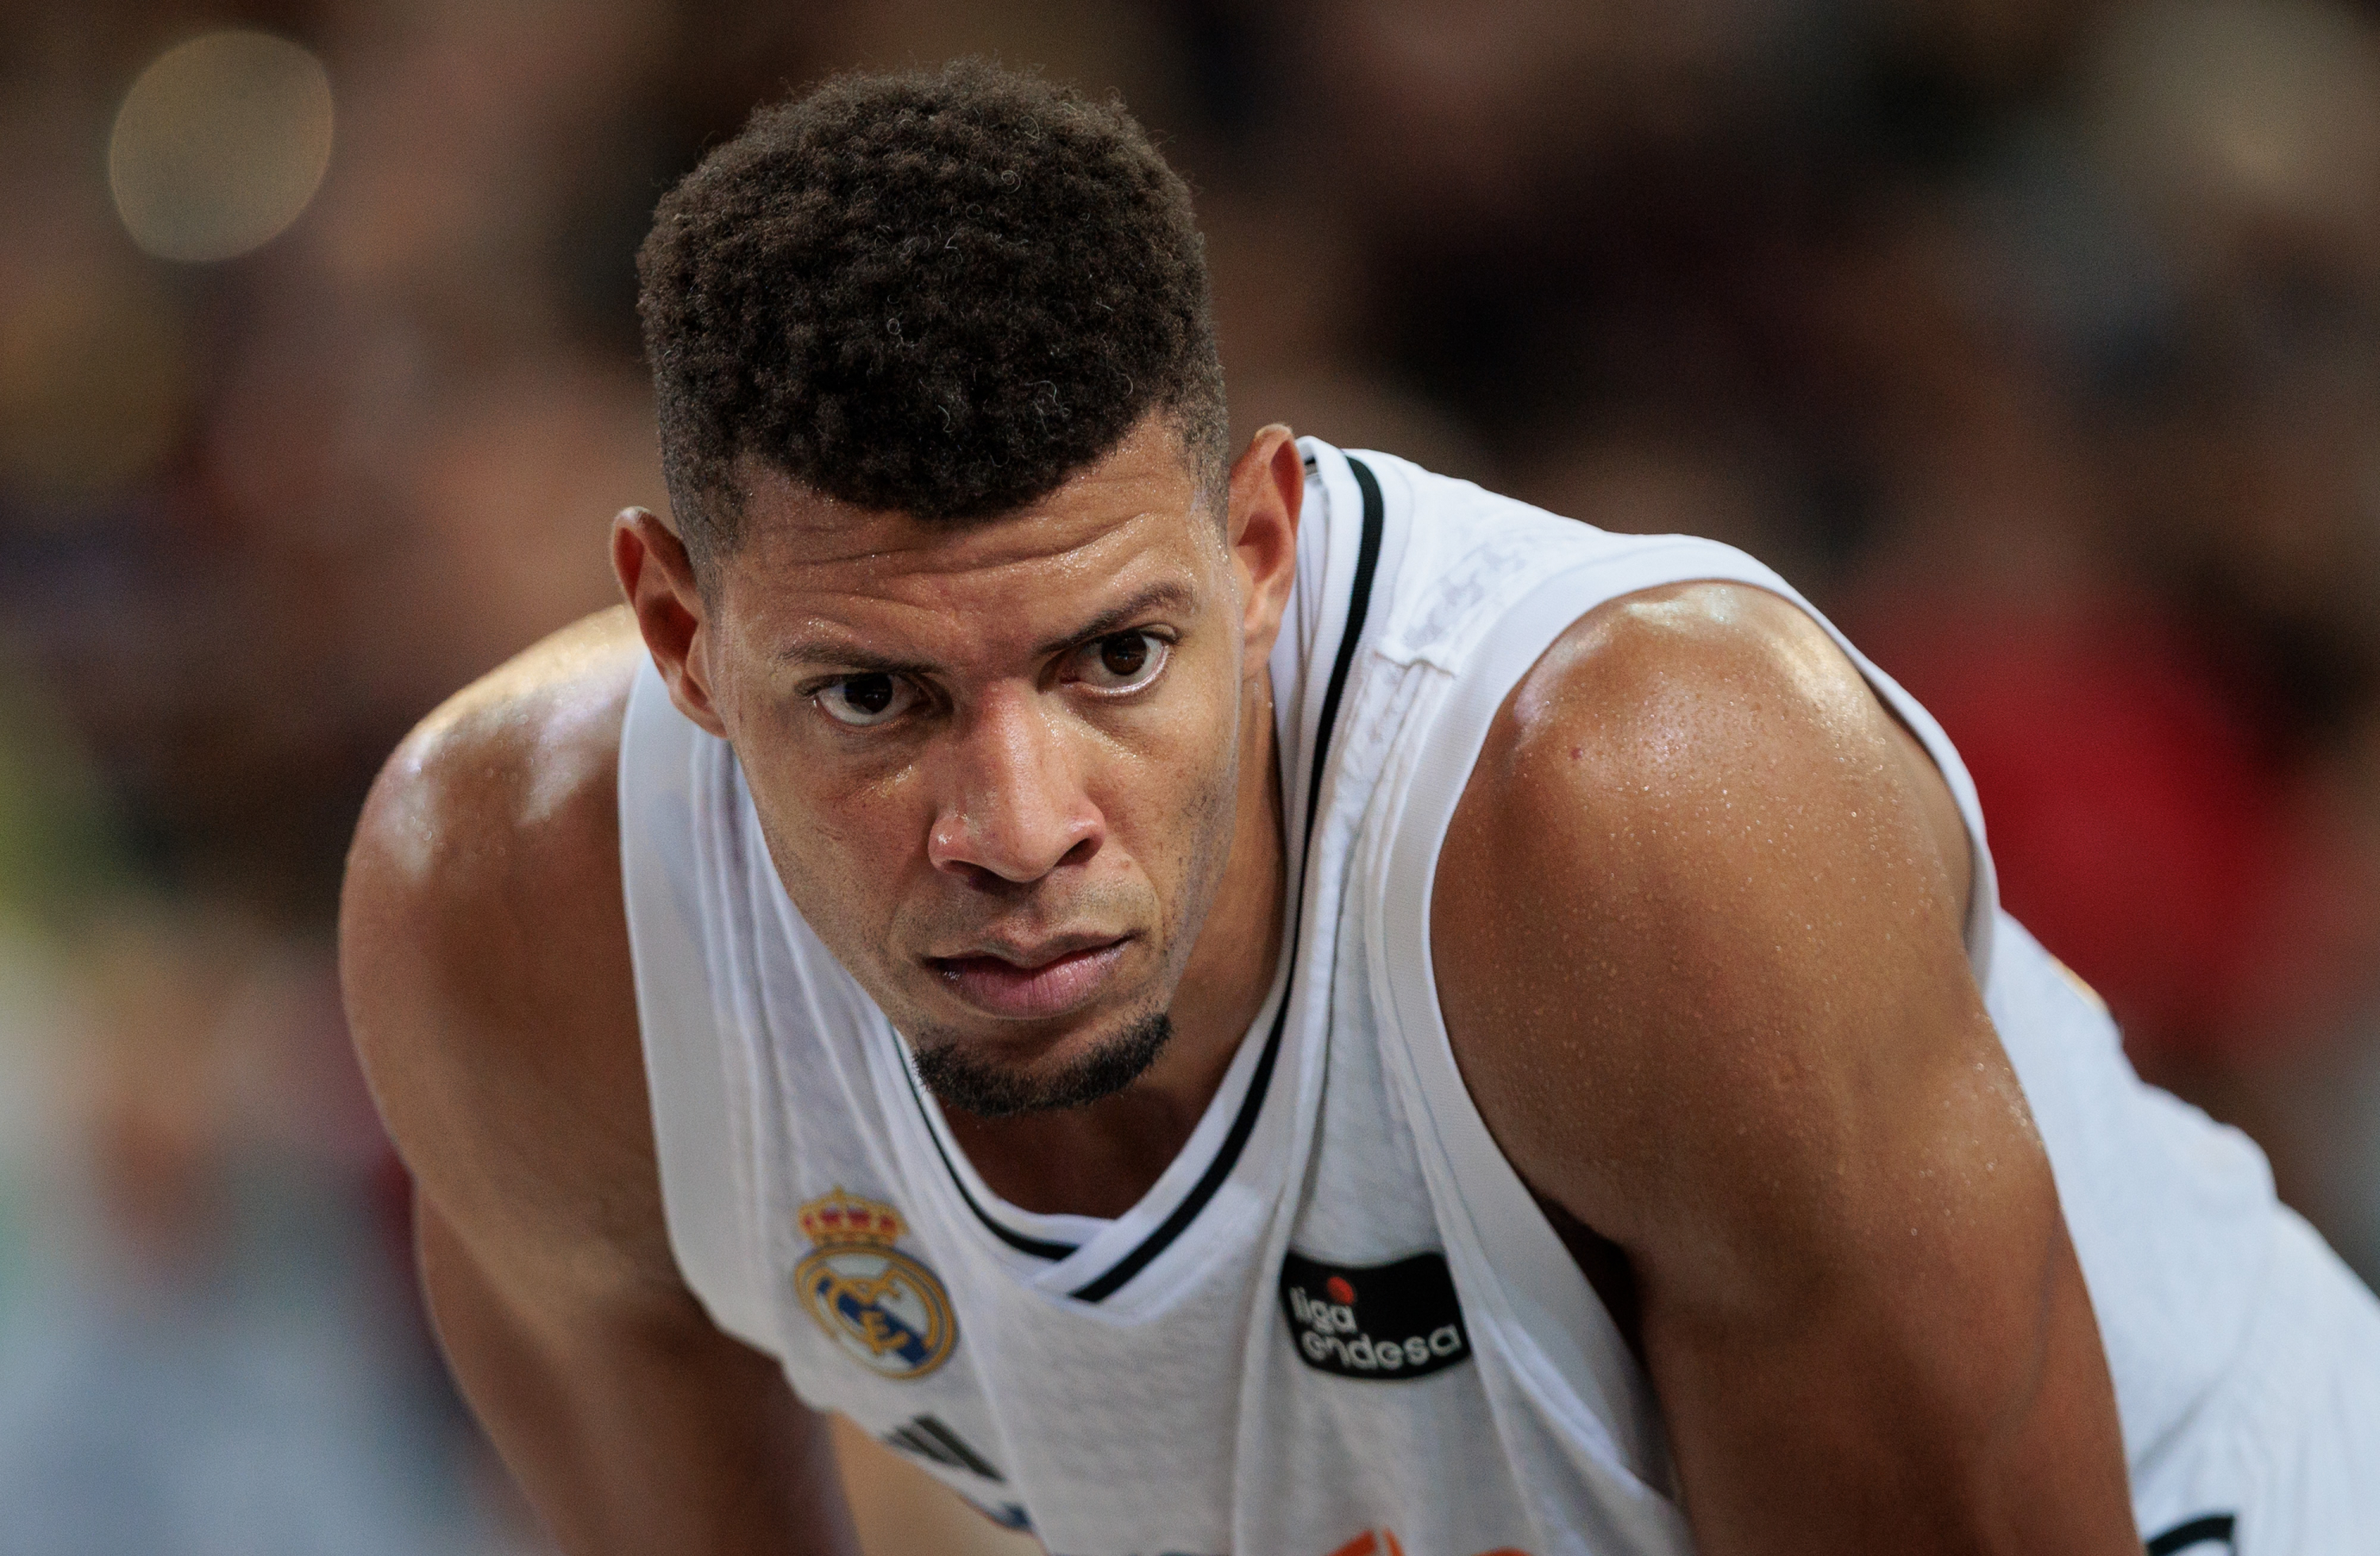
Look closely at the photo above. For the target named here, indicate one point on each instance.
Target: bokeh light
(220, 144)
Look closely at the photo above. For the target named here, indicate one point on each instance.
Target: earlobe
(657, 576)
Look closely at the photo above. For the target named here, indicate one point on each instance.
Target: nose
(1017, 809)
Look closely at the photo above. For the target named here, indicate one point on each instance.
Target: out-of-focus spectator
(207, 1350)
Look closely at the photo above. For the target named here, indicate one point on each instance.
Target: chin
(1073, 1073)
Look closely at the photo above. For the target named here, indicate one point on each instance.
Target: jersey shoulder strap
(670, 773)
(1517, 578)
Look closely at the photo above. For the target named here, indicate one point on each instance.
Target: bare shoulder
(1693, 824)
(484, 952)
(510, 780)
(1683, 718)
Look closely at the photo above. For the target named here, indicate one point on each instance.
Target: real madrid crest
(883, 1308)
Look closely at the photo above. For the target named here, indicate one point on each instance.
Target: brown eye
(861, 700)
(1123, 657)
(1125, 662)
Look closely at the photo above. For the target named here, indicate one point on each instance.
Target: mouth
(1028, 984)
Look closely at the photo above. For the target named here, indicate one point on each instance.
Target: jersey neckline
(1090, 1259)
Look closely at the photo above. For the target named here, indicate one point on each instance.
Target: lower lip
(1029, 993)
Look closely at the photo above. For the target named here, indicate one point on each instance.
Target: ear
(658, 578)
(1268, 491)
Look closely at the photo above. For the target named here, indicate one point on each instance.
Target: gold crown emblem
(845, 1218)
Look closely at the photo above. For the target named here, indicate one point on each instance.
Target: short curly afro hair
(939, 292)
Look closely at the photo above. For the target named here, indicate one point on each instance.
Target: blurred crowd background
(2037, 340)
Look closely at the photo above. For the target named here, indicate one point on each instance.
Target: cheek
(837, 841)
(1170, 801)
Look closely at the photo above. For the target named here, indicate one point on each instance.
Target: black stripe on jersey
(929, 1439)
(2215, 1528)
(1039, 1247)
(1359, 604)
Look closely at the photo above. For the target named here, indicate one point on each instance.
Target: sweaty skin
(484, 950)
(1696, 938)
(1015, 803)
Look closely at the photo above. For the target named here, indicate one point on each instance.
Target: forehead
(811, 573)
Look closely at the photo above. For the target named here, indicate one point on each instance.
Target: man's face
(996, 765)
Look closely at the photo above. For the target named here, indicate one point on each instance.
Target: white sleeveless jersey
(1339, 1325)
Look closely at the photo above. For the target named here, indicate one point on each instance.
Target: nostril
(982, 878)
(991, 878)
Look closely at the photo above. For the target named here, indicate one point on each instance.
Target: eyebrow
(841, 655)
(1177, 596)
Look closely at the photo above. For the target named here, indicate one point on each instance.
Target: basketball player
(1259, 1001)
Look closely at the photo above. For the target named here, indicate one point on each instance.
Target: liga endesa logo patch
(1379, 1321)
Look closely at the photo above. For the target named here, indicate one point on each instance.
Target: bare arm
(484, 952)
(1697, 938)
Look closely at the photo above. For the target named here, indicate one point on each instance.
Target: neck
(1099, 1160)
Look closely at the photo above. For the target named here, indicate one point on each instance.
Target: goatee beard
(960, 1080)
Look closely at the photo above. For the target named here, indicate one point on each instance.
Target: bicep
(484, 961)
(1733, 1031)
(485, 971)
(633, 1423)
(1714, 904)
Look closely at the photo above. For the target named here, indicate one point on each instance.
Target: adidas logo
(930, 1438)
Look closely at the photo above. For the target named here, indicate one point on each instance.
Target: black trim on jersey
(2214, 1529)
(1039, 1247)
(1359, 604)
(928, 1438)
